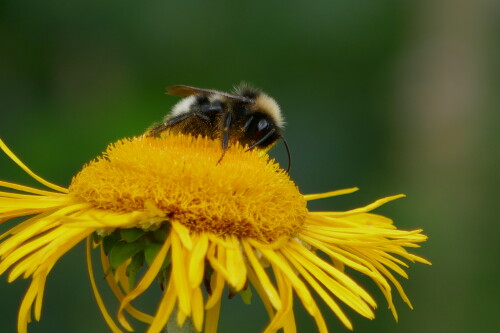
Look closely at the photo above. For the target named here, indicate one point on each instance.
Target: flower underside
(200, 227)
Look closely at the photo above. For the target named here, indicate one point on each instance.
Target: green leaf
(246, 295)
(161, 234)
(131, 235)
(134, 267)
(163, 277)
(151, 251)
(109, 242)
(166, 262)
(121, 251)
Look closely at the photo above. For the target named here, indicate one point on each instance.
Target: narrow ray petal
(364, 209)
(165, 309)
(281, 319)
(16, 160)
(145, 318)
(197, 309)
(216, 281)
(145, 282)
(262, 277)
(310, 197)
(235, 265)
(299, 287)
(254, 280)
(179, 274)
(112, 325)
(212, 317)
(197, 260)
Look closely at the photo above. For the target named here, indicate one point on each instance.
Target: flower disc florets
(245, 195)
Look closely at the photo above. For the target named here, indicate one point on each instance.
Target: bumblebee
(247, 116)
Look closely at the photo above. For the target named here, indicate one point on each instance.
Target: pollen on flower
(245, 195)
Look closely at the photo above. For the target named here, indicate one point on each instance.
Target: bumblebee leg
(268, 134)
(156, 129)
(247, 124)
(202, 116)
(161, 127)
(207, 112)
(225, 135)
(204, 112)
(177, 119)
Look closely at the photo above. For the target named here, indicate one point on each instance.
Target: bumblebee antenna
(288, 153)
(264, 139)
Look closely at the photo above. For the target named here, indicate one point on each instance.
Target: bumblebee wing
(185, 91)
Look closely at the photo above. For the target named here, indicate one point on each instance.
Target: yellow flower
(199, 226)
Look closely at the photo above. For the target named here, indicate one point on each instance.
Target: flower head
(199, 226)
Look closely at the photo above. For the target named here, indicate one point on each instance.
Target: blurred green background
(391, 96)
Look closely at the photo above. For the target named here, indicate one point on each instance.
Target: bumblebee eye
(262, 125)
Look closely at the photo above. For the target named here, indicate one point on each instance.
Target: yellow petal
(254, 280)
(197, 260)
(364, 209)
(299, 287)
(235, 265)
(216, 280)
(28, 171)
(165, 309)
(145, 282)
(179, 274)
(310, 197)
(282, 317)
(197, 309)
(262, 277)
(145, 318)
(212, 320)
(97, 295)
